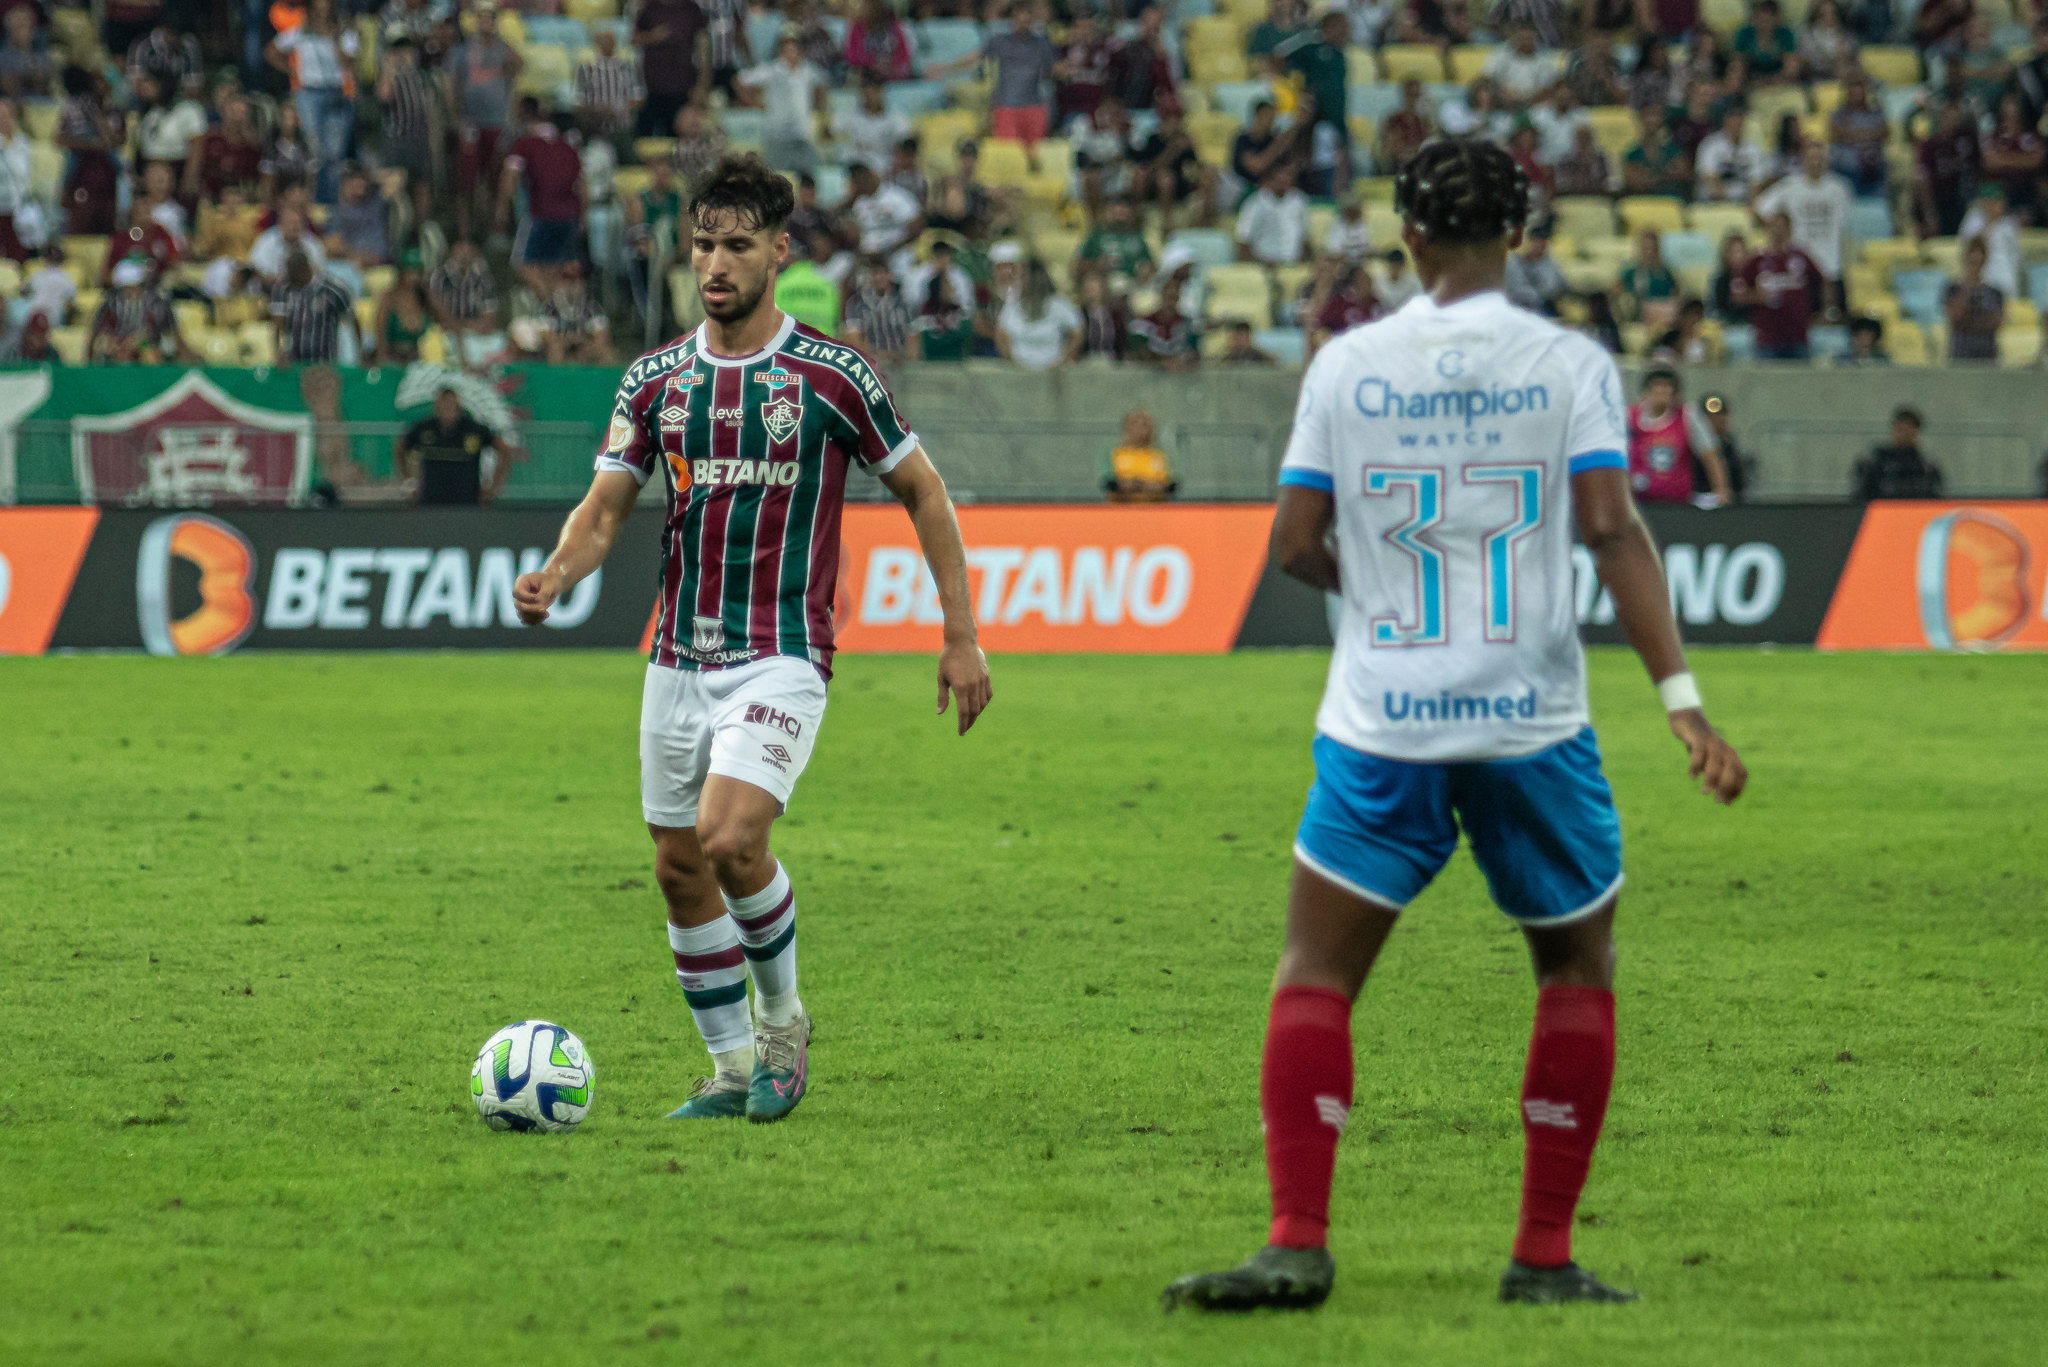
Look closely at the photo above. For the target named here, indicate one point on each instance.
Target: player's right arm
(1626, 559)
(585, 541)
(1301, 543)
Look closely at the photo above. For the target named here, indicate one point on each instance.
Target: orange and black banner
(1188, 579)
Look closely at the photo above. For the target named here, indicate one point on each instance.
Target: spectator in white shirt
(958, 287)
(1349, 239)
(1990, 219)
(1557, 120)
(1727, 167)
(1038, 330)
(1273, 224)
(1395, 280)
(889, 219)
(1521, 70)
(792, 90)
(274, 246)
(1817, 201)
(17, 172)
(870, 131)
(168, 125)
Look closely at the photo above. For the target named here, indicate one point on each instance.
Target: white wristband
(1679, 692)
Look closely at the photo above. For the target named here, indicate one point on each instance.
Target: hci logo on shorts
(764, 715)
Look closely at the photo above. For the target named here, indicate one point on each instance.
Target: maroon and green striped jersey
(757, 450)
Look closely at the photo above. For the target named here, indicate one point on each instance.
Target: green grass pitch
(257, 914)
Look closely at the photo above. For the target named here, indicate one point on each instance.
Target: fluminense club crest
(781, 418)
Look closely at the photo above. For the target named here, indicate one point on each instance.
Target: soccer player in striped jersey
(1439, 461)
(754, 421)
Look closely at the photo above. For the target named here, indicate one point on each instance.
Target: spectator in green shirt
(1764, 46)
(1647, 283)
(1320, 60)
(1656, 164)
(1285, 21)
(807, 292)
(1117, 243)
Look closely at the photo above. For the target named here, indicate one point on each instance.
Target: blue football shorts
(1542, 827)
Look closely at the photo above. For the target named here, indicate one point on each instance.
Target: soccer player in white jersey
(754, 422)
(1452, 447)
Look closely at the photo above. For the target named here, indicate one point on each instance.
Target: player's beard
(741, 304)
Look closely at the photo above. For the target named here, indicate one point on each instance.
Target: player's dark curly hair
(1460, 192)
(748, 187)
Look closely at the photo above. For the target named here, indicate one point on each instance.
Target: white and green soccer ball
(534, 1075)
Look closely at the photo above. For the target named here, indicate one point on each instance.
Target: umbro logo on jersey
(1557, 1114)
(673, 417)
(777, 756)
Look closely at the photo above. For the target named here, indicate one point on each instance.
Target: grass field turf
(258, 913)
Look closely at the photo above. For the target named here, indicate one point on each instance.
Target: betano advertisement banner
(1174, 578)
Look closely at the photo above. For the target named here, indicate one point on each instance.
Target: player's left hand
(1709, 756)
(532, 595)
(964, 670)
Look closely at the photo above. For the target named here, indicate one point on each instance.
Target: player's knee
(679, 877)
(732, 846)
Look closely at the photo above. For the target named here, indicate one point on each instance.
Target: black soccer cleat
(1276, 1277)
(1557, 1285)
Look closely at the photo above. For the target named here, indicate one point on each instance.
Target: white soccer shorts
(754, 722)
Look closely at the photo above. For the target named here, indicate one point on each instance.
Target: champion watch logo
(1557, 1114)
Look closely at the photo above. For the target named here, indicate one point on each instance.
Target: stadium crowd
(1181, 184)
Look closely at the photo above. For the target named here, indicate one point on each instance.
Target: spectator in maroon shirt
(553, 172)
(231, 154)
(878, 44)
(2014, 156)
(674, 38)
(1777, 286)
(1344, 298)
(1945, 171)
(1141, 68)
(1082, 72)
(1673, 19)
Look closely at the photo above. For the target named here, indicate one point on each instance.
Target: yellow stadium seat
(1768, 107)
(1320, 220)
(434, 346)
(1905, 342)
(1697, 280)
(1614, 128)
(1863, 280)
(75, 30)
(629, 181)
(1212, 135)
(1827, 96)
(1245, 13)
(1468, 61)
(1583, 217)
(1359, 67)
(1399, 61)
(259, 344)
(647, 150)
(547, 66)
(1383, 224)
(216, 346)
(591, 11)
(2020, 312)
(1586, 275)
(1211, 33)
(10, 277)
(191, 314)
(69, 344)
(939, 135)
(1374, 190)
(1724, 16)
(1891, 65)
(89, 254)
(1719, 220)
(1890, 254)
(87, 301)
(2019, 346)
(1662, 212)
(1211, 68)
(39, 120)
(1944, 253)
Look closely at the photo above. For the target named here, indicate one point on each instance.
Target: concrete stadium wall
(1000, 434)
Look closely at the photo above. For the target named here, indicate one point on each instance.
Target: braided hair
(1460, 192)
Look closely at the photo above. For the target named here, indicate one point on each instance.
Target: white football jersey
(1448, 438)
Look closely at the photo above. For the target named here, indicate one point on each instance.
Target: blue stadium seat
(1236, 98)
(2037, 286)
(1869, 219)
(1688, 249)
(1144, 123)
(1828, 339)
(835, 26)
(743, 125)
(1740, 341)
(945, 40)
(843, 100)
(621, 29)
(831, 185)
(1193, 9)
(1920, 294)
(762, 30)
(1374, 101)
(1211, 246)
(914, 97)
(1288, 346)
(555, 28)
(1898, 101)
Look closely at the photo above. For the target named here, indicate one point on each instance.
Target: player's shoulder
(652, 365)
(807, 347)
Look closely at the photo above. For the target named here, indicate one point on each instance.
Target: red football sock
(1564, 1102)
(1304, 1098)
